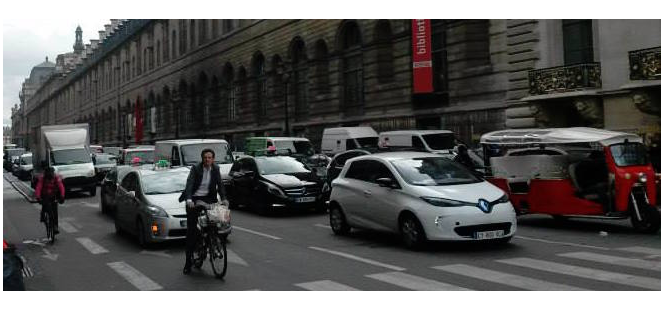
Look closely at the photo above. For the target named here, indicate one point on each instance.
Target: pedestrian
(49, 191)
(204, 183)
(463, 157)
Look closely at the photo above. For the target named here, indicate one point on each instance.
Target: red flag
(139, 121)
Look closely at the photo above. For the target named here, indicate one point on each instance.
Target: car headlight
(442, 202)
(274, 190)
(91, 173)
(642, 177)
(157, 211)
(503, 199)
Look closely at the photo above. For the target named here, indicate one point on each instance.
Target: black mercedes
(273, 183)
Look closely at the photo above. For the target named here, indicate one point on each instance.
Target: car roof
(26, 154)
(412, 132)
(557, 136)
(138, 149)
(191, 141)
(144, 172)
(396, 155)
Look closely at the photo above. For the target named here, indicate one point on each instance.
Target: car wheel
(104, 207)
(338, 221)
(141, 237)
(118, 229)
(649, 217)
(412, 232)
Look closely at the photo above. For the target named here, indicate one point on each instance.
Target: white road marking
(323, 226)
(156, 253)
(325, 285)
(563, 243)
(505, 278)
(414, 282)
(360, 259)
(641, 250)
(49, 255)
(91, 246)
(614, 260)
(594, 274)
(67, 227)
(135, 277)
(256, 233)
(89, 204)
(232, 257)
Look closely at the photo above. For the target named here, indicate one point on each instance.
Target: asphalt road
(292, 252)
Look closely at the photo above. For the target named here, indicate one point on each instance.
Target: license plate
(183, 223)
(489, 234)
(306, 199)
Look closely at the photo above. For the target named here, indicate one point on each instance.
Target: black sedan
(272, 183)
(12, 268)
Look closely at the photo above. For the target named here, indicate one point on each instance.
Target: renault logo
(484, 205)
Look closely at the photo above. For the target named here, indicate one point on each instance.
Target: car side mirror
(386, 182)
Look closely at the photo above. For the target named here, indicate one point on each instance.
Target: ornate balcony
(564, 79)
(645, 64)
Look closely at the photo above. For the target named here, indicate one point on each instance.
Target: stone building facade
(237, 78)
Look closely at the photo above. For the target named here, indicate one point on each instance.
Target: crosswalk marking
(325, 285)
(135, 277)
(505, 278)
(594, 274)
(67, 227)
(614, 260)
(357, 258)
(641, 250)
(414, 282)
(256, 233)
(91, 246)
(563, 243)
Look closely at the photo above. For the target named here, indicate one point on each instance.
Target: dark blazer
(194, 181)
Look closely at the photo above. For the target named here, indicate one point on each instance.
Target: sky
(27, 43)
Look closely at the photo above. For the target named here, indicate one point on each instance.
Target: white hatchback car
(421, 196)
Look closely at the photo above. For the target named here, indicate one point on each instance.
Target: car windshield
(279, 164)
(629, 154)
(296, 147)
(432, 171)
(70, 157)
(368, 142)
(192, 153)
(440, 141)
(105, 159)
(144, 157)
(166, 182)
(27, 160)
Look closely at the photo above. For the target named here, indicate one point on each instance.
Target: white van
(432, 141)
(187, 152)
(340, 139)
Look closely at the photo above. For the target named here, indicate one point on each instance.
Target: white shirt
(205, 182)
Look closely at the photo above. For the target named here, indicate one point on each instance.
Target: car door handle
(367, 193)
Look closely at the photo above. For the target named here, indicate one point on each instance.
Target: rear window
(440, 141)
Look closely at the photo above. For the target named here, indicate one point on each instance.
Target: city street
(292, 252)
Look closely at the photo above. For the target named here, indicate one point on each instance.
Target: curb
(17, 186)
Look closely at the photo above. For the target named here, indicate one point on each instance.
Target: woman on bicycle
(203, 183)
(49, 192)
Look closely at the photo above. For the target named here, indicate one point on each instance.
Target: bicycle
(49, 223)
(209, 241)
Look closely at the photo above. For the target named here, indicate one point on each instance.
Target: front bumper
(291, 203)
(174, 228)
(79, 183)
(462, 223)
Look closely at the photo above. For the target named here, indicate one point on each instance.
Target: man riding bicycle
(49, 192)
(203, 184)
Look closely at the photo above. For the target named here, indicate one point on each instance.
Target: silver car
(147, 205)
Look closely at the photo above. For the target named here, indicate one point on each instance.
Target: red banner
(422, 56)
(138, 116)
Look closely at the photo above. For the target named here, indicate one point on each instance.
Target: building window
(232, 113)
(384, 52)
(261, 86)
(577, 41)
(215, 28)
(159, 53)
(165, 38)
(299, 57)
(173, 43)
(352, 70)
(183, 37)
(321, 67)
(439, 56)
(203, 31)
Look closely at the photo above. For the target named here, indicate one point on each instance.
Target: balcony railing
(564, 78)
(645, 64)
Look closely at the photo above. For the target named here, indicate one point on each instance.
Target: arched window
(239, 93)
(300, 83)
(351, 69)
(439, 56)
(384, 52)
(228, 95)
(168, 109)
(165, 38)
(202, 110)
(260, 86)
(182, 43)
(321, 67)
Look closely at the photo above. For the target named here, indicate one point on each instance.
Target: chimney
(94, 44)
(108, 29)
(102, 34)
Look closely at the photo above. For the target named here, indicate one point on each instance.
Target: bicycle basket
(219, 214)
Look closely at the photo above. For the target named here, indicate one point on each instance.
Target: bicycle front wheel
(217, 255)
